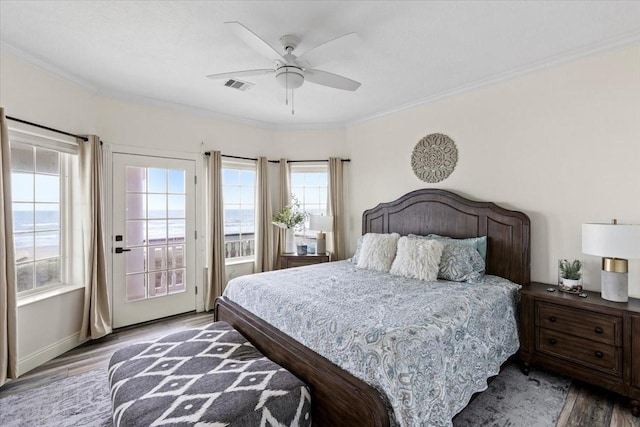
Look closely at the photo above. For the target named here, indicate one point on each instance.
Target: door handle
(120, 250)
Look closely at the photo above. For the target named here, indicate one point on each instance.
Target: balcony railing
(239, 246)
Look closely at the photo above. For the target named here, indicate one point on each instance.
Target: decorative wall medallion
(434, 157)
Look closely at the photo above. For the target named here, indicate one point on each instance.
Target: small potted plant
(290, 218)
(570, 273)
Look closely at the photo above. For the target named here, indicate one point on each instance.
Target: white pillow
(354, 258)
(378, 251)
(417, 259)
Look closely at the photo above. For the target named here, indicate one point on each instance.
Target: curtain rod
(208, 153)
(314, 161)
(84, 138)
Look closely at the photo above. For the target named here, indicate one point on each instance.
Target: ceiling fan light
(290, 77)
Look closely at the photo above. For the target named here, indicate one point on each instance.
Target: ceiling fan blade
(254, 41)
(324, 78)
(333, 49)
(243, 73)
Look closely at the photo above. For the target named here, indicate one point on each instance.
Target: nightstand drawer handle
(599, 354)
(552, 319)
(553, 341)
(598, 330)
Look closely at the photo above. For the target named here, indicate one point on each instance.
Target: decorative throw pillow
(460, 264)
(417, 258)
(354, 258)
(479, 243)
(378, 251)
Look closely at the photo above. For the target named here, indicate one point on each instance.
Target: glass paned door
(153, 245)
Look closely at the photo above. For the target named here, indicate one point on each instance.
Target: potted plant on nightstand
(290, 218)
(570, 275)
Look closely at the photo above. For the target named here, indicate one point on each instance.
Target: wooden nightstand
(295, 260)
(594, 340)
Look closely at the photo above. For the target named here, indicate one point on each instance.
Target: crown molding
(201, 112)
(560, 59)
(123, 96)
(42, 64)
(566, 57)
(550, 62)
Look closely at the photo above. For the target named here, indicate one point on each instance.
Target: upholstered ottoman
(207, 376)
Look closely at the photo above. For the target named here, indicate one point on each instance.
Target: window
(238, 187)
(309, 186)
(39, 193)
(156, 224)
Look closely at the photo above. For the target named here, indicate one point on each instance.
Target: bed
(342, 398)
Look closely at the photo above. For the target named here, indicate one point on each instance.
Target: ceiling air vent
(239, 84)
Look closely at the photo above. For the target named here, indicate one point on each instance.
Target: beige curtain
(215, 263)
(264, 228)
(285, 196)
(8, 319)
(96, 320)
(336, 208)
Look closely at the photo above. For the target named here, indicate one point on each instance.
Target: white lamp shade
(320, 222)
(611, 240)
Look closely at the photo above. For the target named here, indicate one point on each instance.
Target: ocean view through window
(238, 186)
(38, 216)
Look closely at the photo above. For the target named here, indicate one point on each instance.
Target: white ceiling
(411, 52)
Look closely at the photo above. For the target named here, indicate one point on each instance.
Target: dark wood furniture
(594, 340)
(445, 213)
(295, 260)
(338, 398)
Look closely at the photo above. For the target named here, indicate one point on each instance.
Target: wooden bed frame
(338, 398)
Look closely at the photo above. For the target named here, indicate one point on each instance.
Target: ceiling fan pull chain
(293, 100)
(286, 86)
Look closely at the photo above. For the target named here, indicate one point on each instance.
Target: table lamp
(615, 243)
(321, 224)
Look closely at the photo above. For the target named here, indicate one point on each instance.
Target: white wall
(127, 123)
(563, 145)
(48, 328)
(30, 93)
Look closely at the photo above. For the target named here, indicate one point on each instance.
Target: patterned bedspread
(425, 346)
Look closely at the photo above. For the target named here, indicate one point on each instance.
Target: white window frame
(241, 165)
(70, 267)
(298, 168)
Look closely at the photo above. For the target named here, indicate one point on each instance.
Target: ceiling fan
(292, 71)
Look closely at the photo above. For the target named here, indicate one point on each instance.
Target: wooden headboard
(442, 212)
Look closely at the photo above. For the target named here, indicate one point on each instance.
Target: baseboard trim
(37, 358)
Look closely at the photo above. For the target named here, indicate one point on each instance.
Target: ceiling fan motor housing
(289, 42)
(290, 76)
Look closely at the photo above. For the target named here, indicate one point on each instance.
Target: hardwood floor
(591, 406)
(586, 406)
